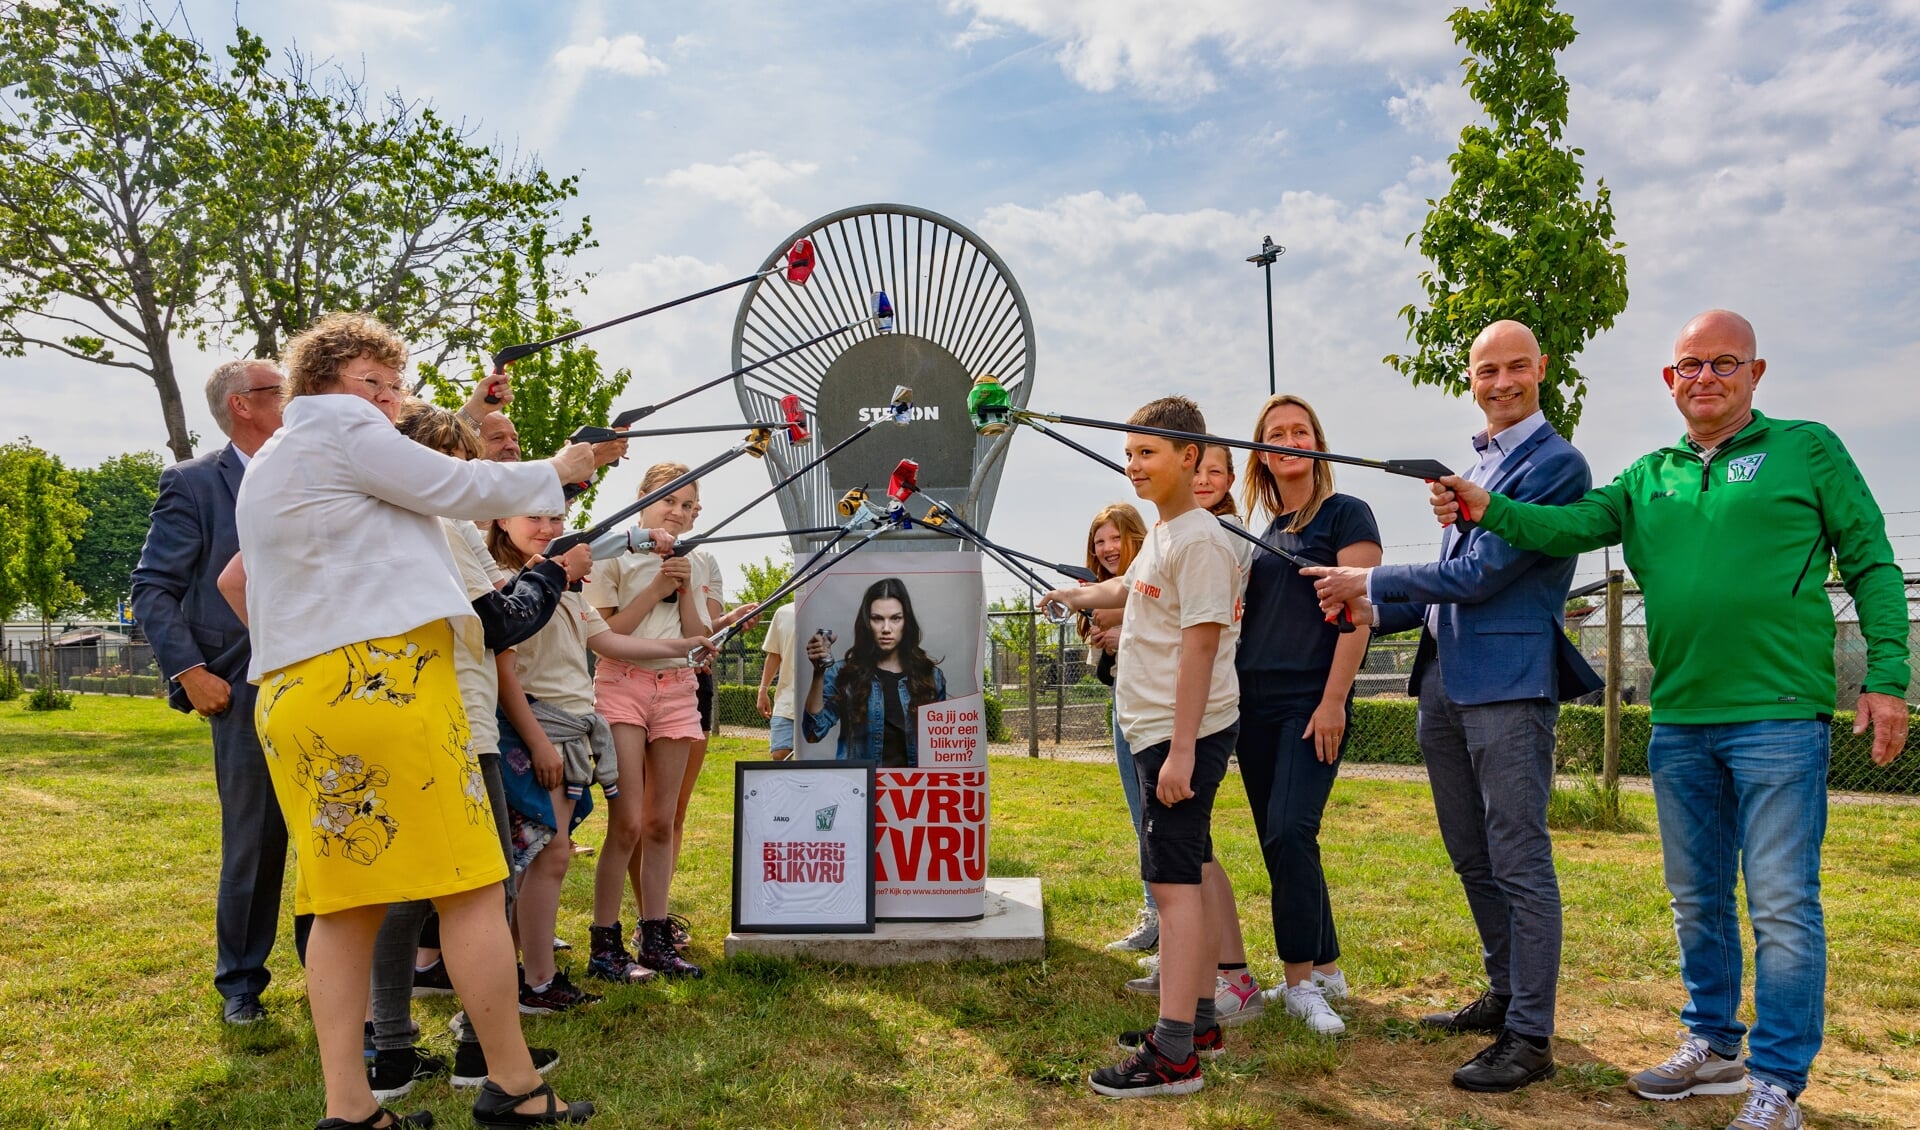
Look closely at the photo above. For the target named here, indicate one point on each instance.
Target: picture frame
(803, 841)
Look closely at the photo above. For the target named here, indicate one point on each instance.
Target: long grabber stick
(798, 267)
(812, 567)
(905, 483)
(636, 540)
(755, 444)
(1344, 621)
(1424, 469)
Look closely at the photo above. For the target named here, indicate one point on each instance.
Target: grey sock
(1203, 1015)
(1173, 1039)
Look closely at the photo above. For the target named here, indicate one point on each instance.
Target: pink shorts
(663, 703)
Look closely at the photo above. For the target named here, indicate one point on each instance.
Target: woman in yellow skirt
(348, 590)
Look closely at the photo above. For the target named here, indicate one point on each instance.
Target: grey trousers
(1491, 767)
(393, 949)
(253, 851)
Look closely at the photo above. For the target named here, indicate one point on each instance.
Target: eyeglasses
(1725, 365)
(397, 388)
(259, 388)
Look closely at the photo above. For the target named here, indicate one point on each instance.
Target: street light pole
(1264, 259)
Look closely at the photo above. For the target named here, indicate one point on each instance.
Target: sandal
(494, 1109)
(422, 1118)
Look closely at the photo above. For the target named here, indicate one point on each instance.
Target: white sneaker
(1145, 934)
(1148, 986)
(1335, 987)
(1234, 1005)
(1308, 1002)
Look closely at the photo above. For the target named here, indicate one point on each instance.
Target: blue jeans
(1748, 797)
(1130, 784)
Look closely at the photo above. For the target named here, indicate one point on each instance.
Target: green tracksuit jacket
(1731, 555)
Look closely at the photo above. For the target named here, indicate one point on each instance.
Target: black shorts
(1176, 841)
(703, 694)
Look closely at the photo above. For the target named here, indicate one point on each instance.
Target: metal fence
(91, 666)
(1065, 712)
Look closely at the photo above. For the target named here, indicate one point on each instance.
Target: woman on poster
(875, 693)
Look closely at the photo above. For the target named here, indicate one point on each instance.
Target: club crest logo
(823, 818)
(1743, 469)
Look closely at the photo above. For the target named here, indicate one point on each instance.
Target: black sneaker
(1147, 1073)
(1508, 1064)
(1488, 1013)
(393, 1073)
(432, 981)
(1209, 1044)
(560, 995)
(243, 1009)
(470, 1063)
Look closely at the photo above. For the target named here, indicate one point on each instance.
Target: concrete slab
(1013, 929)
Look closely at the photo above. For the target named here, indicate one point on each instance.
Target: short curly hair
(315, 356)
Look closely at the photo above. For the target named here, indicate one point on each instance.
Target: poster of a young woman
(893, 646)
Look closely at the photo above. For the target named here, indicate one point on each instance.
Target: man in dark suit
(202, 647)
(1493, 666)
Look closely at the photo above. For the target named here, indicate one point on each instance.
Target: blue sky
(1124, 156)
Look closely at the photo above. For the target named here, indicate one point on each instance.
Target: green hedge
(1384, 733)
(735, 705)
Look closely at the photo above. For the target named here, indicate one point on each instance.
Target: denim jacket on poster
(816, 726)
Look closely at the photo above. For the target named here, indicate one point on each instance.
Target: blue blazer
(175, 594)
(1501, 611)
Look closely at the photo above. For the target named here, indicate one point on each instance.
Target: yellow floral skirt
(375, 772)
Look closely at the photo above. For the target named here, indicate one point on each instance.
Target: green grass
(108, 1019)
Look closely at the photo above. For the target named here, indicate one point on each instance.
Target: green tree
(149, 193)
(555, 390)
(50, 518)
(106, 140)
(118, 497)
(373, 203)
(1514, 237)
(14, 458)
(758, 581)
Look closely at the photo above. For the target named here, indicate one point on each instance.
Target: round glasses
(1724, 365)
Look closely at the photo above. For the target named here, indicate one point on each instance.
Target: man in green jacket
(1729, 533)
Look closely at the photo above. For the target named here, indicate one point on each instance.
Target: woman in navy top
(1296, 693)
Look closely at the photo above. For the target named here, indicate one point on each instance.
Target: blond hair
(447, 432)
(1262, 491)
(1225, 506)
(316, 355)
(1132, 530)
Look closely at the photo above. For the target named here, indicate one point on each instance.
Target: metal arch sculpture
(957, 313)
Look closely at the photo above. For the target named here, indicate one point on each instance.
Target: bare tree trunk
(179, 439)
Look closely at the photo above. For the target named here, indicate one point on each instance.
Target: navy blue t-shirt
(1283, 629)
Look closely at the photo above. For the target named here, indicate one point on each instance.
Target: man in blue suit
(1493, 666)
(203, 650)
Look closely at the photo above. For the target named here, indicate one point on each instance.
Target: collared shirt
(1492, 452)
(243, 457)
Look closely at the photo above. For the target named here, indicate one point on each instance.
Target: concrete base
(1013, 929)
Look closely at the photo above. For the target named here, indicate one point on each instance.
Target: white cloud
(1172, 51)
(976, 31)
(356, 26)
(625, 55)
(746, 179)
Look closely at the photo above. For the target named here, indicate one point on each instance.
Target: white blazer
(339, 524)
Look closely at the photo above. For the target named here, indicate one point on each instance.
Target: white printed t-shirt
(552, 666)
(617, 583)
(780, 643)
(807, 840)
(1184, 575)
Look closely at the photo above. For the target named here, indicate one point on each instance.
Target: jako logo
(883, 412)
(1743, 469)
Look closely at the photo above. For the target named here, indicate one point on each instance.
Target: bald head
(1505, 335)
(1721, 326)
(1504, 369)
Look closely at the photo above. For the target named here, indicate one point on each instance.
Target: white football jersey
(807, 839)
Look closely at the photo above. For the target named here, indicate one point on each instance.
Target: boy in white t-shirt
(1178, 702)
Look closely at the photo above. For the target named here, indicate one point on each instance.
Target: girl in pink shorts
(652, 708)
